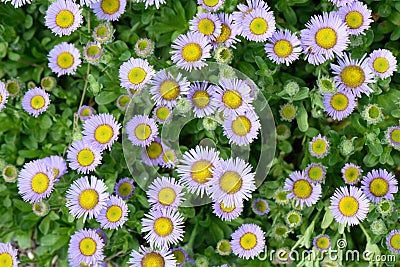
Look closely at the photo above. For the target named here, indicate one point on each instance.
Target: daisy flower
(227, 213)
(123, 101)
(293, 219)
(151, 154)
(373, 114)
(260, 206)
(393, 241)
(190, 50)
(339, 105)
(288, 112)
(242, 129)
(283, 47)
(146, 257)
(248, 241)
(302, 190)
(324, 37)
(258, 25)
(180, 256)
(144, 47)
(141, 130)
(153, 2)
(103, 33)
(202, 99)
(353, 76)
(165, 193)
(349, 205)
(208, 24)
(8, 255)
(63, 17)
(382, 63)
(162, 114)
(102, 130)
(64, 59)
(166, 89)
(85, 112)
(223, 54)
(315, 172)
(85, 248)
(233, 96)
(86, 198)
(109, 10)
(114, 214)
(232, 181)
(379, 184)
(135, 73)
(319, 146)
(35, 101)
(83, 157)
(392, 136)
(57, 164)
(322, 243)
(229, 31)
(211, 5)
(124, 188)
(93, 52)
(164, 227)
(351, 173)
(195, 169)
(35, 181)
(168, 158)
(341, 2)
(357, 17)
(3, 95)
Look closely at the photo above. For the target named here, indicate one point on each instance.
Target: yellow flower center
(143, 45)
(351, 174)
(224, 246)
(211, 3)
(283, 48)
(142, 131)
(192, 52)
(125, 189)
(110, 6)
(261, 206)
(354, 19)
(154, 150)
(163, 113)
(103, 134)
(352, 76)
(225, 34)
(319, 147)
(124, 100)
(114, 213)
(85, 112)
(232, 99)
(258, 26)
(326, 38)
(169, 90)
(6, 260)
(241, 125)
(395, 241)
(374, 112)
(179, 256)
(302, 189)
(395, 135)
(169, 156)
(288, 112)
(65, 19)
(85, 157)
(136, 75)
(348, 206)
(201, 171)
(315, 173)
(166, 196)
(322, 242)
(92, 50)
(339, 101)
(40, 183)
(101, 31)
(381, 64)
(379, 187)
(153, 259)
(201, 99)
(9, 171)
(248, 241)
(1, 98)
(87, 246)
(230, 182)
(56, 172)
(163, 226)
(206, 26)
(37, 102)
(294, 218)
(88, 199)
(65, 60)
(226, 208)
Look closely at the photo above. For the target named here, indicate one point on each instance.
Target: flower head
(83, 156)
(93, 52)
(114, 214)
(379, 184)
(165, 193)
(141, 130)
(85, 112)
(248, 241)
(211, 5)
(319, 146)
(36, 101)
(8, 255)
(315, 172)
(302, 190)
(124, 188)
(283, 47)
(382, 63)
(227, 213)
(357, 17)
(351, 173)
(85, 248)
(393, 241)
(3, 95)
(63, 17)
(64, 59)
(339, 105)
(146, 257)
(322, 242)
(242, 129)
(208, 24)
(135, 73)
(109, 10)
(392, 136)
(260, 206)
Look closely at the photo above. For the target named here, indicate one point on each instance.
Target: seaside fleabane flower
(393, 241)
(141, 130)
(379, 184)
(64, 59)
(85, 248)
(392, 137)
(324, 37)
(349, 205)
(229, 31)
(322, 242)
(109, 9)
(319, 146)
(8, 255)
(207, 24)
(357, 17)
(302, 190)
(165, 193)
(201, 96)
(93, 52)
(63, 17)
(248, 241)
(83, 157)
(124, 188)
(283, 47)
(339, 105)
(162, 114)
(351, 173)
(353, 75)
(114, 214)
(135, 73)
(146, 257)
(86, 198)
(227, 213)
(382, 63)
(85, 112)
(151, 154)
(190, 50)
(258, 25)
(57, 164)
(211, 5)
(315, 172)
(153, 3)
(35, 101)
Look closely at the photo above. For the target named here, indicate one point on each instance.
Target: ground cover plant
(199, 133)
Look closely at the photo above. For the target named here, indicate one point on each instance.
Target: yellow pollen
(248, 241)
(352, 76)
(88, 199)
(65, 19)
(125, 189)
(169, 90)
(241, 125)
(381, 64)
(163, 226)
(114, 213)
(201, 99)
(226, 208)
(6, 260)
(92, 50)
(379, 187)
(323, 242)
(206, 26)
(179, 256)
(339, 102)
(152, 259)
(65, 60)
(37, 102)
(288, 111)
(85, 157)
(154, 150)
(85, 112)
(225, 34)
(87, 246)
(166, 196)
(319, 147)
(283, 48)
(163, 113)
(211, 3)
(326, 38)
(395, 241)
(110, 6)
(232, 99)
(230, 182)
(136, 75)
(123, 101)
(302, 189)
(395, 135)
(169, 156)
(142, 131)
(192, 52)
(40, 183)
(315, 173)
(258, 26)
(103, 134)
(201, 171)
(351, 174)
(354, 19)
(348, 206)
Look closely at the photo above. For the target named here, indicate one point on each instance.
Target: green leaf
(302, 119)
(327, 220)
(106, 97)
